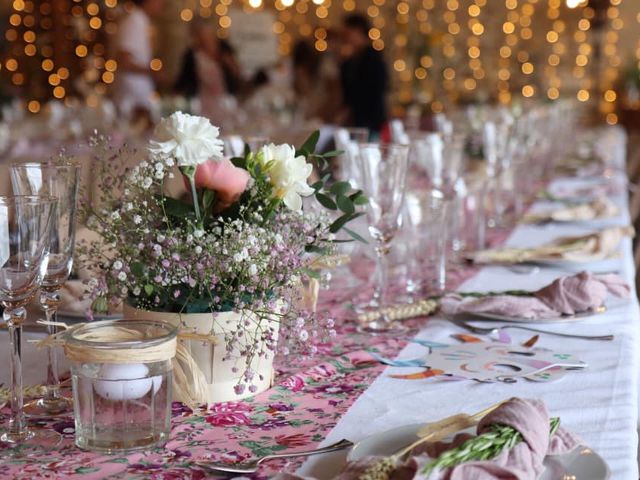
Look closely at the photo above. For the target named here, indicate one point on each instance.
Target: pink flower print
(295, 383)
(229, 413)
(319, 372)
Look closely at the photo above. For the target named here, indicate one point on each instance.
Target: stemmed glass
(25, 231)
(384, 174)
(61, 182)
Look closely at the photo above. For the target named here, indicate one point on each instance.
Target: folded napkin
(599, 208)
(585, 248)
(524, 461)
(564, 296)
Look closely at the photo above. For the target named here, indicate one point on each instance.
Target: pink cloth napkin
(565, 296)
(522, 462)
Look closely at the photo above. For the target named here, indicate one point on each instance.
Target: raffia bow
(189, 382)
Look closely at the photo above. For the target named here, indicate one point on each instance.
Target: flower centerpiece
(225, 258)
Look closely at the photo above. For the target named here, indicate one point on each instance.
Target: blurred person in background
(233, 79)
(133, 89)
(201, 75)
(364, 77)
(307, 86)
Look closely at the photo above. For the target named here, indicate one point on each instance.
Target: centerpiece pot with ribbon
(224, 257)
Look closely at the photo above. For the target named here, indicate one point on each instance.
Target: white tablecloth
(600, 404)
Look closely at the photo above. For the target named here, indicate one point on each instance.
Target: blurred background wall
(441, 52)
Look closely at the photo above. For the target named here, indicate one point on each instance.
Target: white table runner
(600, 404)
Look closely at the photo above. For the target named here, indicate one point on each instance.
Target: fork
(490, 330)
(251, 466)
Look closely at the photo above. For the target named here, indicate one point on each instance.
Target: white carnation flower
(188, 139)
(288, 174)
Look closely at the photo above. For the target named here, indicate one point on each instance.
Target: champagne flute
(61, 182)
(25, 232)
(384, 174)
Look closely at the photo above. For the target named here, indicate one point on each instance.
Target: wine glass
(384, 174)
(26, 223)
(61, 182)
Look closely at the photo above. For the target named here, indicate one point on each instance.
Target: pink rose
(224, 178)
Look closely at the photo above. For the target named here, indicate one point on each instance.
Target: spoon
(490, 330)
(251, 466)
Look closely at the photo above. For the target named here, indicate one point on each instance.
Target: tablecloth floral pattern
(307, 401)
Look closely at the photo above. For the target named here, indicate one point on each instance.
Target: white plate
(582, 463)
(594, 266)
(563, 319)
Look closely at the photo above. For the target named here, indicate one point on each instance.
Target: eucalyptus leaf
(345, 204)
(309, 146)
(340, 188)
(355, 235)
(343, 220)
(326, 201)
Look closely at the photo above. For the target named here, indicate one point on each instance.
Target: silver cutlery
(251, 466)
(490, 330)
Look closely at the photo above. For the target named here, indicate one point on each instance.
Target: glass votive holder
(122, 383)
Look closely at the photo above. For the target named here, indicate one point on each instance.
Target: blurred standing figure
(363, 76)
(134, 87)
(306, 85)
(233, 79)
(210, 76)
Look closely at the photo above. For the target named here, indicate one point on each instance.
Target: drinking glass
(61, 182)
(348, 140)
(384, 174)
(428, 154)
(25, 232)
(256, 143)
(425, 233)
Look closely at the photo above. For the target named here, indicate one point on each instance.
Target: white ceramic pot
(219, 374)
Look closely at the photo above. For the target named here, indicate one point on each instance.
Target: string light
(438, 50)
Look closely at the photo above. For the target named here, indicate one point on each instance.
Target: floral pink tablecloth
(309, 398)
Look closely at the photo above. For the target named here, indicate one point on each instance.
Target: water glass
(427, 220)
(122, 384)
(347, 141)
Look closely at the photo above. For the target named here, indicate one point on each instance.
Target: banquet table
(344, 392)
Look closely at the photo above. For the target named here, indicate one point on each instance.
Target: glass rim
(28, 199)
(25, 165)
(170, 332)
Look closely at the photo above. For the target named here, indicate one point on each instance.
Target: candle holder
(122, 383)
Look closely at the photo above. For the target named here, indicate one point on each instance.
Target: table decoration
(122, 383)
(567, 296)
(514, 439)
(600, 245)
(227, 259)
(597, 209)
(487, 362)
